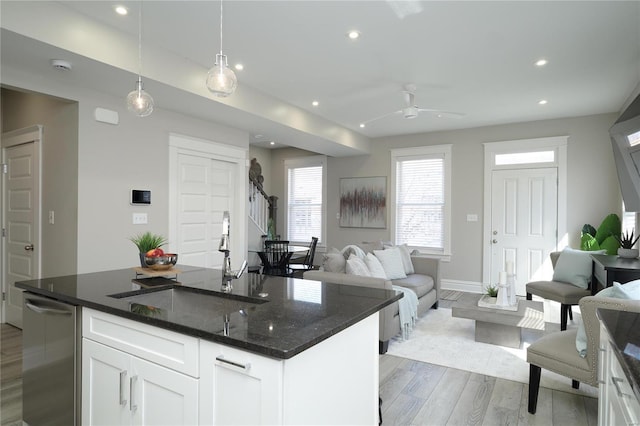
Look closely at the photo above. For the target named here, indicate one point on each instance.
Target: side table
(609, 268)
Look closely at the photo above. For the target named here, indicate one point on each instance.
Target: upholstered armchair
(557, 351)
(564, 293)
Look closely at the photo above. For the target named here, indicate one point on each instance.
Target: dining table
(271, 269)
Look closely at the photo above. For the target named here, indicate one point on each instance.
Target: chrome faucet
(227, 273)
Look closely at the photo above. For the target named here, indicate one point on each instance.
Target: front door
(524, 210)
(21, 213)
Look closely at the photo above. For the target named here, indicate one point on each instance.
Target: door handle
(28, 247)
(123, 376)
(132, 382)
(42, 310)
(494, 241)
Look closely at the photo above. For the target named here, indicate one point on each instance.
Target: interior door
(205, 190)
(524, 211)
(21, 213)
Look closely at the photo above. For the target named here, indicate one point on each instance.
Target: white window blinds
(420, 201)
(304, 209)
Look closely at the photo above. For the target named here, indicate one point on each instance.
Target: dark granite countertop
(273, 316)
(624, 334)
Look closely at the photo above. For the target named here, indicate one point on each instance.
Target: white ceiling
(476, 58)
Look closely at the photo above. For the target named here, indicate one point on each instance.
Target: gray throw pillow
(574, 267)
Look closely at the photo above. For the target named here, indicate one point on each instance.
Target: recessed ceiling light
(315, 103)
(272, 143)
(362, 125)
(542, 102)
(541, 62)
(121, 10)
(239, 67)
(353, 35)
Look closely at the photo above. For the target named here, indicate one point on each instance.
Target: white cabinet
(617, 403)
(239, 387)
(332, 382)
(119, 388)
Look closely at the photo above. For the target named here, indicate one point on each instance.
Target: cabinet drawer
(164, 347)
(623, 391)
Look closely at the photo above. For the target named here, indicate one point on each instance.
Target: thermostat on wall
(140, 197)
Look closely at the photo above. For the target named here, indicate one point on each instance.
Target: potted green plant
(146, 242)
(627, 242)
(492, 290)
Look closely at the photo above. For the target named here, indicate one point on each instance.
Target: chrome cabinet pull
(615, 381)
(221, 358)
(132, 381)
(45, 310)
(123, 376)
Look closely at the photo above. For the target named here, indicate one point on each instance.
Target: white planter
(627, 253)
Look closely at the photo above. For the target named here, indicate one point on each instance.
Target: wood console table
(609, 268)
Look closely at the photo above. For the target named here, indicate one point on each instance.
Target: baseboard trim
(457, 285)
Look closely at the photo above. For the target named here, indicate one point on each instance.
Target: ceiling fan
(411, 110)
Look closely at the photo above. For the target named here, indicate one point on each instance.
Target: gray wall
(593, 190)
(59, 171)
(112, 160)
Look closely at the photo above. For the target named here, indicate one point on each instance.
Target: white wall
(112, 160)
(593, 190)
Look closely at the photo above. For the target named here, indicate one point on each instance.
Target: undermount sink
(186, 300)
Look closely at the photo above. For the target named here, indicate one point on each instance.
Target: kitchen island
(272, 351)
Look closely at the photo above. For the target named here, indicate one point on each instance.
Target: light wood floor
(413, 393)
(10, 375)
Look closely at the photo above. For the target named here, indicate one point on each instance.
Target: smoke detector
(61, 64)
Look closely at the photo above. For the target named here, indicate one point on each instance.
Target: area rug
(438, 338)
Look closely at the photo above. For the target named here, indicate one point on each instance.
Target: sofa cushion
(391, 260)
(420, 284)
(406, 259)
(356, 266)
(375, 267)
(334, 261)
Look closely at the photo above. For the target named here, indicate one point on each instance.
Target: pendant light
(221, 80)
(139, 102)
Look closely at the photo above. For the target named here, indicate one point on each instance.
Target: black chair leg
(383, 347)
(564, 311)
(570, 312)
(379, 411)
(534, 386)
(529, 296)
(435, 305)
(575, 384)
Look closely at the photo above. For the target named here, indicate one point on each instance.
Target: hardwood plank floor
(416, 393)
(413, 393)
(10, 375)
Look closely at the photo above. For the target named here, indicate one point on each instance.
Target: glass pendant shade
(139, 102)
(221, 80)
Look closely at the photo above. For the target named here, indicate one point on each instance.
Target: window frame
(404, 154)
(301, 162)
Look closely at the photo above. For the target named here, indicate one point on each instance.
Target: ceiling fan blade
(381, 117)
(442, 114)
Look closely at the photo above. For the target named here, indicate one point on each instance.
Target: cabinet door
(160, 396)
(105, 385)
(238, 387)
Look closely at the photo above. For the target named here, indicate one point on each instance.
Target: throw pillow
(630, 290)
(356, 266)
(391, 260)
(574, 267)
(334, 261)
(581, 337)
(352, 248)
(375, 267)
(406, 259)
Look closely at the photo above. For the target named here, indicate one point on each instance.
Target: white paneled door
(205, 189)
(524, 204)
(21, 212)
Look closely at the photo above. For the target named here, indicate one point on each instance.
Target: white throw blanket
(408, 309)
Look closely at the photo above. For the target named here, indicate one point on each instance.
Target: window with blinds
(304, 201)
(421, 198)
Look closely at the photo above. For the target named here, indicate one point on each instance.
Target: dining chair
(276, 258)
(307, 264)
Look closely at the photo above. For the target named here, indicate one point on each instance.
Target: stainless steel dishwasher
(49, 362)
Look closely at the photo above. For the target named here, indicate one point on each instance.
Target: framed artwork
(363, 202)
